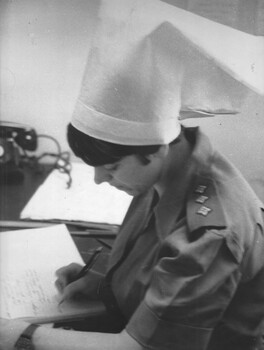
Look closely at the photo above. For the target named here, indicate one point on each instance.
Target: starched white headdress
(151, 63)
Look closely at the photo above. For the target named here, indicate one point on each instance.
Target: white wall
(44, 45)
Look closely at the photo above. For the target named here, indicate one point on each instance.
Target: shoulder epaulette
(204, 206)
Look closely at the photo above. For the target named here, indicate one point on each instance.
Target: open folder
(28, 261)
(84, 201)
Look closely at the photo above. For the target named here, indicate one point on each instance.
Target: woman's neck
(176, 164)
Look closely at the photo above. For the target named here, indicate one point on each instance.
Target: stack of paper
(83, 201)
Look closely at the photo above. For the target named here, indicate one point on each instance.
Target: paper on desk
(83, 201)
(28, 261)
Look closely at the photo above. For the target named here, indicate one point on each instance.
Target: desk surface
(15, 195)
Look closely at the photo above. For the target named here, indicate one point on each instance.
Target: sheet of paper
(83, 201)
(28, 260)
(27, 294)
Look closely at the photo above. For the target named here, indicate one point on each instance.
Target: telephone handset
(23, 135)
(14, 138)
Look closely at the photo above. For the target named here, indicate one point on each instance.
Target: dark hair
(96, 152)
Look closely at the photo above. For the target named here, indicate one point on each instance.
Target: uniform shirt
(189, 273)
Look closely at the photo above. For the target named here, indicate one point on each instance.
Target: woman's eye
(111, 167)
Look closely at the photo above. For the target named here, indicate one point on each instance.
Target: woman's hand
(10, 331)
(69, 286)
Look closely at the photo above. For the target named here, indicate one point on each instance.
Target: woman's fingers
(66, 275)
(74, 289)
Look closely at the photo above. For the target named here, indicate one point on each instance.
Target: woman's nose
(101, 175)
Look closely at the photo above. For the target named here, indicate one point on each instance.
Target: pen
(104, 243)
(90, 263)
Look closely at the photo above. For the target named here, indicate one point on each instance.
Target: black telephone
(15, 139)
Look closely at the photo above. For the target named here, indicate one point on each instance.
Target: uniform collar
(194, 194)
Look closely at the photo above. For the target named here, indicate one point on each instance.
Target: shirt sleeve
(191, 286)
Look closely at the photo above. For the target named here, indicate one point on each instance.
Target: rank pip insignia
(204, 210)
(201, 199)
(201, 189)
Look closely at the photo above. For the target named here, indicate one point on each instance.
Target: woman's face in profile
(130, 175)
